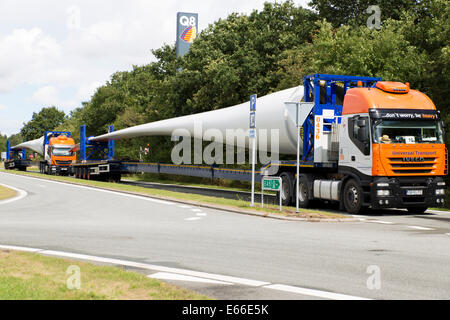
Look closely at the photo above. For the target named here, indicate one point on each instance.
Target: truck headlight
(440, 192)
(441, 184)
(383, 193)
(382, 184)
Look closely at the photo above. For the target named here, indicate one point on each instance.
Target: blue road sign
(252, 120)
(253, 102)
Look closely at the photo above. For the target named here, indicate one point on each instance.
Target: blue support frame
(14, 152)
(311, 84)
(8, 150)
(107, 149)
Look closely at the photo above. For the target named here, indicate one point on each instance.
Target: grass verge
(193, 198)
(25, 276)
(6, 193)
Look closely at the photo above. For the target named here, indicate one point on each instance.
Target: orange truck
(368, 143)
(58, 153)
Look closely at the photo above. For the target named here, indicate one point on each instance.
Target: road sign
(253, 102)
(252, 120)
(3, 155)
(272, 184)
(187, 31)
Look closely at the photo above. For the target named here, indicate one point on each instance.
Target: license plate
(414, 192)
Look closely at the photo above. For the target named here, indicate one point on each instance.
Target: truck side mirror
(361, 123)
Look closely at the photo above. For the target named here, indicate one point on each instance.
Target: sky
(58, 52)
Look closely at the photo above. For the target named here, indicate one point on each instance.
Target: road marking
(20, 194)
(197, 274)
(180, 277)
(192, 219)
(312, 292)
(19, 248)
(196, 210)
(419, 228)
(99, 190)
(201, 214)
(184, 206)
(379, 221)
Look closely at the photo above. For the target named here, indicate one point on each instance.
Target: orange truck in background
(58, 153)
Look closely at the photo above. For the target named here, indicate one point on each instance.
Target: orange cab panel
(409, 160)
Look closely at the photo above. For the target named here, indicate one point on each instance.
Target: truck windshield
(401, 131)
(62, 151)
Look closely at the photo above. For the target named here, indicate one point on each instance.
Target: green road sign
(272, 184)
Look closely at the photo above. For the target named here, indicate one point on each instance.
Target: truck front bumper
(406, 192)
(61, 170)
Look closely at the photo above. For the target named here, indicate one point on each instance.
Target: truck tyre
(286, 189)
(417, 210)
(353, 197)
(303, 194)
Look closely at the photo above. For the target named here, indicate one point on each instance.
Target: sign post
(253, 99)
(298, 159)
(272, 184)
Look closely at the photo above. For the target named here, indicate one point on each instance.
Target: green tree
(351, 12)
(47, 119)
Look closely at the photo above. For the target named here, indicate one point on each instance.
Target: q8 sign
(187, 30)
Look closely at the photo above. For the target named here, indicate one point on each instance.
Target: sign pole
(253, 137)
(298, 159)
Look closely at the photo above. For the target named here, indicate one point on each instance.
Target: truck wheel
(286, 189)
(353, 197)
(303, 198)
(417, 210)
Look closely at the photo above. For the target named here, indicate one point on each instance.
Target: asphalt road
(409, 254)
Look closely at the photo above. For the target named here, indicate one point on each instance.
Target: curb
(207, 205)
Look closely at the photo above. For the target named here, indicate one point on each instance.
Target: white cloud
(48, 96)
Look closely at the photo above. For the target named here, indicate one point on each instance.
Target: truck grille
(63, 162)
(412, 165)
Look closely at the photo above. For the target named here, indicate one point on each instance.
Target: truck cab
(58, 153)
(392, 143)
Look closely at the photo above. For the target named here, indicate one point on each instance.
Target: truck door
(355, 146)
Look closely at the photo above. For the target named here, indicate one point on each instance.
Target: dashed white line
(181, 277)
(420, 228)
(201, 214)
(196, 210)
(192, 219)
(312, 292)
(379, 221)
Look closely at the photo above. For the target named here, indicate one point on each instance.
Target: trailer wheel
(353, 197)
(417, 210)
(287, 188)
(303, 198)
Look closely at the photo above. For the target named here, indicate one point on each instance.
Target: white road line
(192, 219)
(196, 210)
(420, 228)
(243, 281)
(20, 194)
(380, 221)
(201, 214)
(180, 277)
(99, 190)
(19, 248)
(312, 292)
(197, 274)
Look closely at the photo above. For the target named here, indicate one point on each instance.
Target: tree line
(264, 52)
